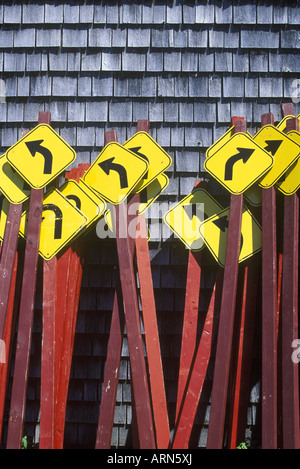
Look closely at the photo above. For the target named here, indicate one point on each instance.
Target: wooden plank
(114, 348)
(190, 320)
(289, 319)
(195, 381)
(269, 313)
(70, 266)
(224, 345)
(27, 302)
(156, 375)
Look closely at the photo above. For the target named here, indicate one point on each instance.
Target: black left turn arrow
(76, 200)
(36, 147)
(108, 165)
(243, 154)
(58, 219)
(222, 223)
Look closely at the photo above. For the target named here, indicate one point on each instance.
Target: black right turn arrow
(243, 154)
(273, 145)
(36, 147)
(108, 165)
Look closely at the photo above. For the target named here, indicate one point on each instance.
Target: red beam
(27, 302)
(190, 321)
(289, 320)
(194, 385)
(224, 345)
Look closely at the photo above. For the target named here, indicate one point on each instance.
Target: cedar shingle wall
(187, 67)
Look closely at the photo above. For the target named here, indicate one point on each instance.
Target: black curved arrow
(243, 154)
(108, 165)
(58, 219)
(76, 200)
(136, 150)
(36, 147)
(273, 145)
(222, 223)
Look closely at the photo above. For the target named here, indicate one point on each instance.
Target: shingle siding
(186, 66)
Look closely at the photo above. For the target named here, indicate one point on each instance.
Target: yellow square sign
(239, 163)
(40, 156)
(283, 149)
(61, 223)
(115, 172)
(85, 201)
(289, 183)
(12, 185)
(144, 145)
(214, 232)
(186, 216)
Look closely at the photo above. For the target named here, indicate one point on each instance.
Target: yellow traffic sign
(289, 183)
(12, 185)
(186, 216)
(253, 195)
(283, 149)
(4, 204)
(61, 223)
(221, 141)
(150, 193)
(239, 163)
(282, 124)
(85, 201)
(214, 232)
(145, 146)
(40, 156)
(115, 172)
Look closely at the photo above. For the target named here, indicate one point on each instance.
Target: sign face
(185, 218)
(239, 163)
(40, 156)
(253, 195)
(86, 202)
(61, 223)
(14, 188)
(150, 193)
(283, 149)
(143, 145)
(214, 231)
(115, 172)
(289, 183)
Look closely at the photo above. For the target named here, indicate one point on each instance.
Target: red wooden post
(290, 370)
(69, 268)
(194, 386)
(224, 345)
(20, 381)
(157, 386)
(269, 313)
(190, 320)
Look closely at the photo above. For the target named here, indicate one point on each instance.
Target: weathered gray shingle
(24, 37)
(48, 37)
(54, 13)
(74, 38)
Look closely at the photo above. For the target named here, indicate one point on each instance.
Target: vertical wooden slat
(195, 381)
(289, 320)
(27, 302)
(190, 320)
(224, 345)
(269, 313)
(156, 375)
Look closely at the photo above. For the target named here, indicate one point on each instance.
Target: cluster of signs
(42, 155)
(243, 165)
(239, 162)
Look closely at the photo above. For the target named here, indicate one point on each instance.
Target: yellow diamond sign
(239, 163)
(284, 150)
(85, 201)
(61, 223)
(40, 156)
(290, 181)
(12, 185)
(143, 145)
(214, 231)
(185, 218)
(115, 172)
